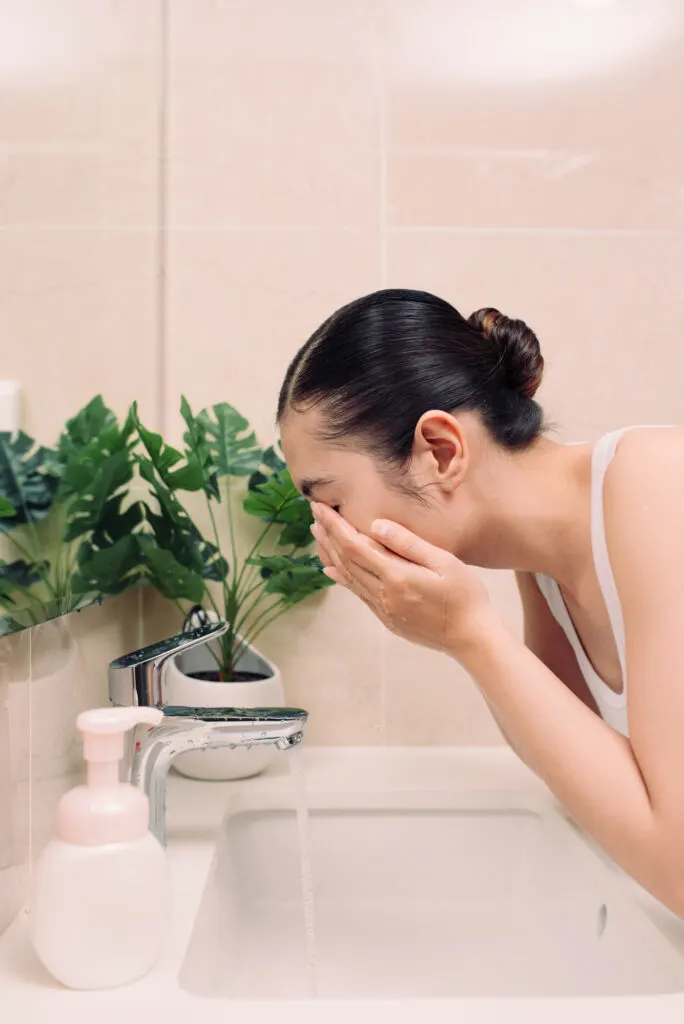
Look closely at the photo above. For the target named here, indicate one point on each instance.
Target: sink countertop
(195, 811)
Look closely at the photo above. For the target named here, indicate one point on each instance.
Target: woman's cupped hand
(418, 591)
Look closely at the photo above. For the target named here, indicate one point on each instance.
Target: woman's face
(362, 489)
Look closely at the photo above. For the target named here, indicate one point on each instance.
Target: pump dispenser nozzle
(105, 810)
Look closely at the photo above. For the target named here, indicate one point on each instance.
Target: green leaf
(296, 534)
(115, 523)
(272, 459)
(110, 570)
(234, 448)
(162, 458)
(275, 500)
(215, 566)
(256, 480)
(170, 577)
(174, 531)
(96, 468)
(293, 577)
(7, 509)
(8, 625)
(88, 425)
(25, 480)
(195, 439)
(16, 579)
(20, 574)
(93, 482)
(173, 528)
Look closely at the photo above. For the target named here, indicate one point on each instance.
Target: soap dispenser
(101, 891)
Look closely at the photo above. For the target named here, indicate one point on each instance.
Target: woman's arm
(627, 794)
(545, 638)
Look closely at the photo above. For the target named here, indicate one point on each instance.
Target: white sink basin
(418, 895)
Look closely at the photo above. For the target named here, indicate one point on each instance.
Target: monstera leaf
(109, 570)
(199, 449)
(93, 423)
(96, 469)
(9, 625)
(86, 479)
(234, 447)
(292, 577)
(114, 522)
(175, 532)
(274, 498)
(17, 576)
(28, 486)
(162, 458)
(95, 483)
(169, 576)
(273, 460)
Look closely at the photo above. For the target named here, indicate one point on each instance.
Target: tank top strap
(602, 456)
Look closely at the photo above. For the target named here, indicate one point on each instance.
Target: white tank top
(612, 705)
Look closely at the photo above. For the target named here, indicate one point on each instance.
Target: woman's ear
(440, 449)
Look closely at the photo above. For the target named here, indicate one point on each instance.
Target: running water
(297, 770)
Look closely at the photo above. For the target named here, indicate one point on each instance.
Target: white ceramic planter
(182, 689)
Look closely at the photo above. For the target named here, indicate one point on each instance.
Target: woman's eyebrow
(307, 487)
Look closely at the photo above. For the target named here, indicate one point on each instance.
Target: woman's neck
(537, 514)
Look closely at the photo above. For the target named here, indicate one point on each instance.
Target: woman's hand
(417, 590)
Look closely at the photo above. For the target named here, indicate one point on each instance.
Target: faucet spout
(186, 728)
(139, 679)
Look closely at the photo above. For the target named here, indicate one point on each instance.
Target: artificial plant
(251, 592)
(67, 521)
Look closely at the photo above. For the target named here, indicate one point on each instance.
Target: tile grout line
(434, 229)
(162, 210)
(383, 182)
(30, 759)
(405, 229)
(383, 268)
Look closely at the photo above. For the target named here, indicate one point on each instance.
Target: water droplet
(601, 920)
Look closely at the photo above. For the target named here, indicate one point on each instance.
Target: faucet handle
(137, 678)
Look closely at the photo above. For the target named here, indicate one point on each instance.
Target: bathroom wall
(188, 187)
(514, 153)
(80, 91)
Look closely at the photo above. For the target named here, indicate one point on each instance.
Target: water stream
(295, 757)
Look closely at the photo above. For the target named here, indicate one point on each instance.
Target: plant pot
(222, 763)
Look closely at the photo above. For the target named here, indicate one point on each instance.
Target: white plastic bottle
(101, 897)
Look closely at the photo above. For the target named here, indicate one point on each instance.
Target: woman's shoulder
(644, 533)
(644, 482)
(648, 449)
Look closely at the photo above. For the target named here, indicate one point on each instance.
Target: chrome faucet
(139, 679)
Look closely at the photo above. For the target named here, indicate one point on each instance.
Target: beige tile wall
(79, 299)
(320, 150)
(79, 211)
(316, 150)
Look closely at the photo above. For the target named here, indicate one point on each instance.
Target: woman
(416, 436)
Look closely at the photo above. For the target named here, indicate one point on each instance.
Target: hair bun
(520, 354)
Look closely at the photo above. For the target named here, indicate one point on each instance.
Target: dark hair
(376, 365)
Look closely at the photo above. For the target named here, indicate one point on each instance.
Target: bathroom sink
(417, 895)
